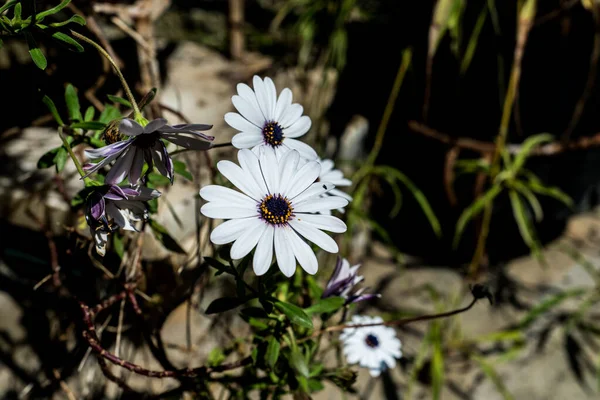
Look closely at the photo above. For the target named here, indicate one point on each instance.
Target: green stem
(86, 180)
(136, 111)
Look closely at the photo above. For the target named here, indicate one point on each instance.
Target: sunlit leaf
(473, 210)
(52, 107)
(295, 314)
(90, 112)
(68, 40)
(75, 19)
(36, 54)
(328, 305)
(119, 100)
(526, 148)
(88, 126)
(531, 199)
(272, 353)
(72, 101)
(40, 16)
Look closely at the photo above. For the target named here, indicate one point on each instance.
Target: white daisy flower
(275, 210)
(268, 120)
(335, 176)
(372, 347)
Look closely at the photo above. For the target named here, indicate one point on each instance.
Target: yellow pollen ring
(272, 218)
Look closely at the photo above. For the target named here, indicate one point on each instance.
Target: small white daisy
(372, 347)
(268, 120)
(275, 209)
(335, 176)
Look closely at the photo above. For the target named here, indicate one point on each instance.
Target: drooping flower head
(110, 207)
(275, 209)
(342, 282)
(144, 144)
(268, 120)
(372, 347)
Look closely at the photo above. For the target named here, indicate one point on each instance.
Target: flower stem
(136, 111)
(86, 180)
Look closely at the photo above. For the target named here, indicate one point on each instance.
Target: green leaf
(72, 101)
(437, 362)
(119, 100)
(60, 160)
(40, 16)
(298, 362)
(530, 197)
(328, 305)
(162, 235)
(110, 113)
(216, 357)
(68, 40)
(158, 179)
(526, 148)
(272, 354)
(89, 126)
(523, 222)
(89, 114)
(548, 304)
(473, 210)
(180, 168)
(219, 266)
(472, 45)
(148, 97)
(8, 5)
(491, 373)
(294, 314)
(36, 54)
(76, 19)
(52, 107)
(223, 304)
(17, 14)
(118, 245)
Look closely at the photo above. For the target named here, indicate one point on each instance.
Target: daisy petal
(268, 166)
(246, 140)
(240, 178)
(248, 111)
(189, 142)
(283, 252)
(299, 128)
(130, 128)
(109, 150)
(226, 196)
(186, 127)
(284, 101)
(121, 169)
(315, 190)
(248, 240)
(324, 222)
(316, 236)
(271, 92)
(245, 92)
(231, 230)
(321, 204)
(251, 165)
(305, 150)
(288, 166)
(305, 176)
(263, 97)
(292, 113)
(136, 167)
(155, 125)
(236, 121)
(119, 216)
(263, 255)
(227, 211)
(303, 253)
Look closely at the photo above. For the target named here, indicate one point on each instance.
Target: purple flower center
(372, 341)
(275, 209)
(273, 133)
(147, 140)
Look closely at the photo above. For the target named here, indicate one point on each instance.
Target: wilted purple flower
(342, 282)
(144, 144)
(111, 206)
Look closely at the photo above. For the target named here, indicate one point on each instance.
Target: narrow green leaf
(551, 191)
(437, 362)
(36, 54)
(522, 220)
(148, 97)
(272, 354)
(68, 40)
(219, 266)
(158, 179)
(89, 125)
(76, 19)
(119, 100)
(89, 114)
(223, 304)
(328, 305)
(110, 113)
(530, 197)
(52, 107)
(548, 304)
(162, 235)
(47, 160)
(298, 362)
(526, 148)
(473, 210)
(180, 168)
(40, 16)
(72, 101)
(491, 373)
(8, 5)
(17, 14)
(473, 40)
(60, 159)
(295, 314)
(118, 245)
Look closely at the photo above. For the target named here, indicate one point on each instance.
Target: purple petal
(192, 143)
(115, 193)
(130, 128)
(157, 156)
(145, 194)
(155, 125)
(91, 168)
(130, 192)
(136, 167)
(109, 150)
(186, 127)
(97, 207)
(121, 169)
(338, 287)
(362, 297)
(168, 162)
